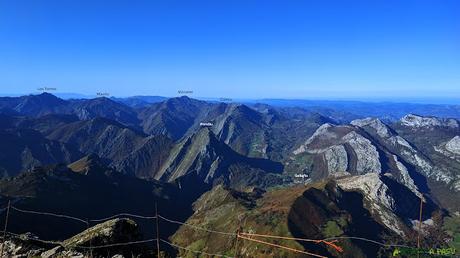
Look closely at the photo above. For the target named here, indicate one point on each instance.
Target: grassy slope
(223, 210)
(452, 227)
(271, 214)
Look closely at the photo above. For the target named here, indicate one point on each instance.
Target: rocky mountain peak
(322, 132)
(417, 121)
(182, 100)
(42, 100)
(326, 135)
(380, 128)
(41, 104)
(102, 100)
(49, 96)
(243, 111)
(343, 149)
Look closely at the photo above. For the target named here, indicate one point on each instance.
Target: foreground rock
(111, 232)
(103, 239)
(19, 247)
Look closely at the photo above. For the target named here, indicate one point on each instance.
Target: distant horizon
(373, 99)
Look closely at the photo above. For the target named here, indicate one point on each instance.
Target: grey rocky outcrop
(379, 200)
(333, 141)
(114, 231)
(109, 232)
(454, 145)
(417, 121)
(366, 153)
(403, 148)
(337, 160)
(381, 129)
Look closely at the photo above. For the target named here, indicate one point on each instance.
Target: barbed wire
(117, 244)
(123, 215)
(367, 240)
(25, 237)
(61, 243)
(281, 246)
(196, 227)
(86, 222)
(193, 226)
(50, 214)
(194, 251)
(317, 241)
(82, 220)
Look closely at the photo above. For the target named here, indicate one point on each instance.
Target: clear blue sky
(249, 49)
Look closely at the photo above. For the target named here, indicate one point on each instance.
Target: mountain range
(293, 169)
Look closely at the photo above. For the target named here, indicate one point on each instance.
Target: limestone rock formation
(412, 120)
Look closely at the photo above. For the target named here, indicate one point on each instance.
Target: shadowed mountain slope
(203, 155)
(23, 149)
(175, 117)
(88, 189)
(129, 151)
(35, 105)
(107, 108)
(316, 211)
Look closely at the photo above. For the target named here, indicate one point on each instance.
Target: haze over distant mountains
(385, 108)
(308, 169)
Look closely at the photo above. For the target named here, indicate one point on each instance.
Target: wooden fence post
(5, 228)
(158, 232)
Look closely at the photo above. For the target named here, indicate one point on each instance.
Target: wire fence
(368, 240)
(251, 237)
(194, 251)
(198, 228)
(123, 215)
(50, 214)
(282, 247)
(82, 220)
(60, 243)
(25, 237)
(119, 244)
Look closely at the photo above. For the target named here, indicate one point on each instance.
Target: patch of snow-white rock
(336, 159)
(456, 184)
(322, 133)
(383, 131)
(405, 150)
(336, 156)
(426, 167)
(406, 179)
(416, 121)
(366, 153)
(380, 128)
(450, 149)
(378, 198)
(454, 145)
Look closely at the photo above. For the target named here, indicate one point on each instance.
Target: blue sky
(236, 49)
